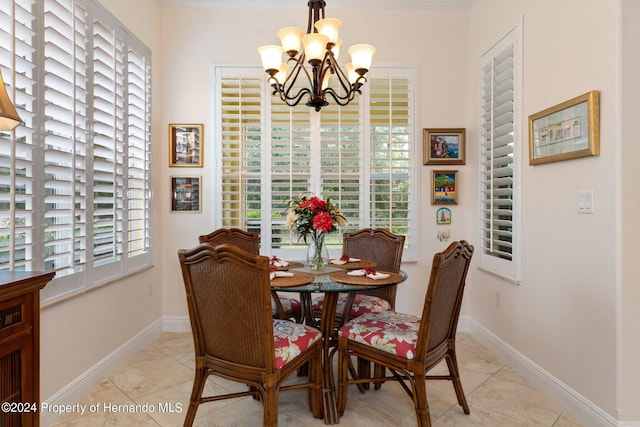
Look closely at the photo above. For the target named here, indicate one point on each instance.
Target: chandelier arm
(341, 100)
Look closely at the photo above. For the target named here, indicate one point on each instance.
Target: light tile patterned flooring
(161, 376)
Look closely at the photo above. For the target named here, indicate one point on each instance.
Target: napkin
(277, 262)
(275, 274)
(360, 272)
(341, 261)
(377, 276)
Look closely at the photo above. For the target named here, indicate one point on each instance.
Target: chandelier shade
(9, 118)
(314, 55)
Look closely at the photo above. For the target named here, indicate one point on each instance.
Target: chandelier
(318, 61)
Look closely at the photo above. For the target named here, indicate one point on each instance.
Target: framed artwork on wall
(185, 194)
(186, 145)
(444, 187)
(443, 146)
(566, 131)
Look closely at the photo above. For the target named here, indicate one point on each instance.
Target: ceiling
(333, 4)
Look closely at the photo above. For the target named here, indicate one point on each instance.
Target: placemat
(343, 277)
(298, 279)
(292, 264)
(363, 263)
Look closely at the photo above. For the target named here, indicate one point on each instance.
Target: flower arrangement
(310, 215)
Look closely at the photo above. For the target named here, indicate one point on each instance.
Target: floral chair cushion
(290, 339)
(288, 304)
(395, 333)
(361, 304)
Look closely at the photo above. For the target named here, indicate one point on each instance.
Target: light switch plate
(585, 202)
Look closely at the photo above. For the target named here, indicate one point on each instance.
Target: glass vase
(318, 254)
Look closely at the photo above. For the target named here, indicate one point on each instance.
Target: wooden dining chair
(229, 300)
(283, 307)
(410, 346)
(385, 249)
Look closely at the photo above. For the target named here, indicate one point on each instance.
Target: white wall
(563, 314)
(79, 333)
(629, 228)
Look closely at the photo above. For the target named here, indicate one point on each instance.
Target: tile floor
(160, 378)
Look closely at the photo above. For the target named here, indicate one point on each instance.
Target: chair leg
(270, 406)
(199, 381)
(364, 371)
(343, 378)
(420, 401)
(454, 372)
(315, 395)
(379, 371)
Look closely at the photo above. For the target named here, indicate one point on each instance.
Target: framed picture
(443, 146)
(443, 216)
(185, 194)
(444, 187)
(566, 131)
(186, 144)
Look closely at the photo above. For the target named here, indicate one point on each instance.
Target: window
(361, 155)
(75, 177)
(499, 162)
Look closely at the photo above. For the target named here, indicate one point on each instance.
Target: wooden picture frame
(569, 130)
(444, 187)
(443, 146)
(186, 145)
(186, 194)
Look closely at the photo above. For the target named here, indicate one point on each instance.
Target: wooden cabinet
(20, 346)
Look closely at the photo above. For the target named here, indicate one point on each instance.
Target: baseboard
(76, 390)
(570, 400)
(176, 324)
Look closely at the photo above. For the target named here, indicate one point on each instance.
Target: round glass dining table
(323, 283)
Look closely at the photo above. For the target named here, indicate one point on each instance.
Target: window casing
(500, 144)
(75, 176)
(361, 155)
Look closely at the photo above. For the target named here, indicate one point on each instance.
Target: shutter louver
(497, 153)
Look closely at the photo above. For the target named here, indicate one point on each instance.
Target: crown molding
(332, 4)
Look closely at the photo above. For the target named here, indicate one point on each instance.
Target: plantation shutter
(18, 150)
(499, 136)
(241, 146)
(341, 162)
(65, 137)
(108, 64)
(392, 146)
(362, 156)
(138, 154)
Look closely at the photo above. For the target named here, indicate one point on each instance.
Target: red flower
(323, 222)
(344, 257)
(369, 270)
(317, 204)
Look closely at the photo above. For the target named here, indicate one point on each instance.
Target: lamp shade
(290, 39)
(361, 56)
(9, 117)
(315, 46)
(271, 57)
(351, 73)
(281, 76)
(329, 27)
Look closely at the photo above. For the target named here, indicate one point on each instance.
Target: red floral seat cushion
(395, 333)
(290, 339)
(288, 304)
(361, 304)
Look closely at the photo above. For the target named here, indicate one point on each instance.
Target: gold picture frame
(186, 145)
(443, 146)
(444, 187)
(569, 130)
